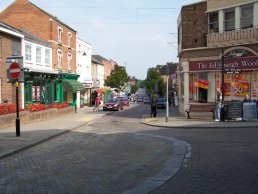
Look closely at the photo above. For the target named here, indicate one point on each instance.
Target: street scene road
(116, 153)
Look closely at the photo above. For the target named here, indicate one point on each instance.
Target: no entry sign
(15, 70)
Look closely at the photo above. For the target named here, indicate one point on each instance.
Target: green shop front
(47, 88)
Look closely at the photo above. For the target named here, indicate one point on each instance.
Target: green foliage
(154, 82)
(118, 78)
(134, 88)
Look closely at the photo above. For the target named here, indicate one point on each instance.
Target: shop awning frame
(73, 85)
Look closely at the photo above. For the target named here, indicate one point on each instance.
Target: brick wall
(7, 89)
(194, 25)
(23, 14)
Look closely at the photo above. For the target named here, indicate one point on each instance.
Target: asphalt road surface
(221, 160)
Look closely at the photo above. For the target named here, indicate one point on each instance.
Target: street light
(222, 111)
(167, 105)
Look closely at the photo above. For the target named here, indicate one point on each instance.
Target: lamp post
(167, 105)
(222, 111)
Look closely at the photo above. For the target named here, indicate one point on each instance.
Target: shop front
(200, 78)
(72, 90)
(43, 88)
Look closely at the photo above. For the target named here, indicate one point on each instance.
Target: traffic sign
(14, 70)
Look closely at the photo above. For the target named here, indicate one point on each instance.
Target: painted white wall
(83, 63)
(33, 65)
(100, 70)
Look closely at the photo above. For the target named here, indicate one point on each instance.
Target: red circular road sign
(15, 70)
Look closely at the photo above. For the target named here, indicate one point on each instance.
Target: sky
(137, 34)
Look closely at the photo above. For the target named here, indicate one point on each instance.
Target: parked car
(146, 100)
(140, 99)
(113, 104)
(124, 100)
(161, 103)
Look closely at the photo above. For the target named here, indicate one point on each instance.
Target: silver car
(161, 103)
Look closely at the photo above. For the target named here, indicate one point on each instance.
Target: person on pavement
(246, 99)
(153, 103)
(218, 105)
(97, 103)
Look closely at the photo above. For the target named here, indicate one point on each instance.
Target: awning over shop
(201, 83)
(73, 85)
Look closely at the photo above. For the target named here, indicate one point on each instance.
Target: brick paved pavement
(83, 161)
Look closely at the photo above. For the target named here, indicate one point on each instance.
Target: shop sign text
(247, 63)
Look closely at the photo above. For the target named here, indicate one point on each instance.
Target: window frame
(59, 34)
(69, 37)
(38, 55)
(215, 24)
(59, 58)
(47, 56)
(251, 16)
(228, 11)
(69, 61)
(28, 55)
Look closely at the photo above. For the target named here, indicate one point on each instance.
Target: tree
(134, 88)
(154, 82)
(118, 78)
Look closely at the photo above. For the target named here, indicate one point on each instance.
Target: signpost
(14, 67)
(14, 70)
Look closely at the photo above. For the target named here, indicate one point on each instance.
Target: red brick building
(10, 45)
(22, 14)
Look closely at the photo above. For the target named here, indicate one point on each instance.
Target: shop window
(28, 52)
(237, 86)
(213, 22)
(198, 87)
(254, 83)
(246, 20)
(229, 19)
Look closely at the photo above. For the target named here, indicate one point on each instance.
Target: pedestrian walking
(153, 102)
(97, 103)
